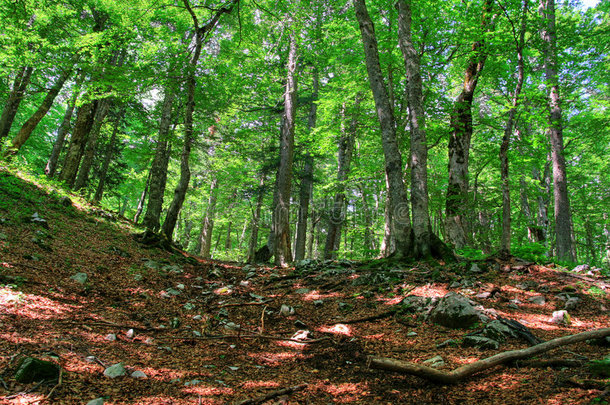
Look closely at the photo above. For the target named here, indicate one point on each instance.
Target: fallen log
(461, 373)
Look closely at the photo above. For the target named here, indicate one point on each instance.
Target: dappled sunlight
(32, 306)
(430, 291)
(316, 295)
(276, 359)
(336, 329)
(343, 393)
(462, 361)
(208, 390)
(251, 385)
(500, 381)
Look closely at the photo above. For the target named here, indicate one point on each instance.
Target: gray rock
(138, 374)
(129, 334)
(116, 370)
(96, 401)
(318, 303)
(435, 362)
(36, 219)
(455, 311)
(581, 268)
(31, 369)
(172, 291)
(197, 318)
(411, 334)
(537, 299)
(111, 337)
(286, 310)
(80, 278)
(571, 303)
(480, 342)
(498, 331)
(448, 342)
(476, 269)
(455, 284)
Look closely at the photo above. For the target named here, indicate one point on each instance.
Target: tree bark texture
(99, 192)
(256, 215)
(82, 127)
(28, 127)
(204, 243)
(457, 201)
(398, 202)
(563, 216)
(20, 84)
(142, 199)
(281, 216)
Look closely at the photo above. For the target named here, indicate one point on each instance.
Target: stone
(36, 219)
(172, 291)
(411, 334)
(448, 342)
(561, 317)
(571, 303)
(180, 286)
(116, 370)
(31, 369)
(581, 268)
(286, 310)
(139, 374)
(476, 269)
(455, 311)
(80, 278)
(318, 303)
(189, 306)
(498, 331)
(480, 342)
(111, 337)
(197, 318)
(537, 299)
(96, 401)
(455, 284)
(129, 334)
(435, 362)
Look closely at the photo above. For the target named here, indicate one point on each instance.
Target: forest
(361, 151)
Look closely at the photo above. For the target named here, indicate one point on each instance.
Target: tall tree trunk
(91, 144)
(158, 168)
(256, 215)
(204, 243)
(368, 222)
(508, 130)
(228, 238)
(419, 148)
(99, 192)
(457, 201)
(388, 244)
(142, 199)
(281, 217)
(344, 158)
(64, 127)
(563, 216)
(28, 127)
(84, 122)
(20, 84)
(306, 188)
(398, 203)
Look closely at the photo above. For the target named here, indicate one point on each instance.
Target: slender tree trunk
(228, 238)
(607, 241)
(368, 222)
(281, 216)
(508, 130)
(388, 244)
(563, 216)
(20, 84)
(344, 158)
(142, 199)
(306, 188)
(99, 192)
(457, 201)
(256, 215)
(399, 206)
(28, 127)
(204, 242)
(63, 129)
(419, 148)
(527, 212)
(158, 169)
(82, 127)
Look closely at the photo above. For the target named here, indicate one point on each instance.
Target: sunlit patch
(249, 385)
(27, 399)
(6, 265)
(377, 336)
(315, 295)
(275, 359)
(353, 276)
(429, 291)
(337, 329)
(223, 291)
(208, 391)
(503, 381)
(462, 361)
(393, 301)
(346, 392)
(32, 306)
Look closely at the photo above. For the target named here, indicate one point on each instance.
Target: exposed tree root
(461, 373)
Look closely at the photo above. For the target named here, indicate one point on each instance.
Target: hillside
(206, 332)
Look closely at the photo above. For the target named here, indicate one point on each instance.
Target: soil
(210, 332)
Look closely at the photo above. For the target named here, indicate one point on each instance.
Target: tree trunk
(388, 244)
(20, 84)
(344, 158)
(140, 207)
(228, 238)
(419, 149)
(256, 215)
(204, 243)
(158, 168)
(398, 203)
(51, 167)
(457, 201)
(510, 123)
(281, 217)
(563, 216)
(368, 222)
(607, 241)
(28, 127)
(99, 192)
(84, 122)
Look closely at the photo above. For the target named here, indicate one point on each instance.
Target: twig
(243, 304)
(273, 394)
(265, 337)
(263, 319)
(59, 381)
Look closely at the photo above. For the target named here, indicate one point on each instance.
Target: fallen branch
(460, 373)
(242, 304)
(271, 395)
(265, 337)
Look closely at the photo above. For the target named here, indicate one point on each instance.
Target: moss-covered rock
(31, 369)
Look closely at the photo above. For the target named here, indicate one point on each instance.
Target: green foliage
(534, 252)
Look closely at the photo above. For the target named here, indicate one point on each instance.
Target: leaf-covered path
(206, 332)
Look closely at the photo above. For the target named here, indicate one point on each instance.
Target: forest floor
(207, 332)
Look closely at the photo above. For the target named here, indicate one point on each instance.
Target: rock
(286, 310)
(180, 287)
(318, 303)
(31, 369)
(455, 284)
(537, 299)
(411, 334)
(111, 337)
(189, 306)
(476, 269)
(498, 331)
(244, 283)
(36, 219)
(197, 318)
(172, 291)
(571, 303)
(116, 370)
(80, 278)
(561, 317)
(581, 268)
(448, 342)
(483, 295)
(302, 335)
(455, 311)
(96, 401)
(138, 374)
(129, 334)
(435, 362)
(480, 342)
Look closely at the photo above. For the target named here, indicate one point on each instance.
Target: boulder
(80, 278)
(96, 401)
(31, 369)
(435, 362)
(498, 331)
(480, 342)
(537, 299)
(116, 370)
(455, 311)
